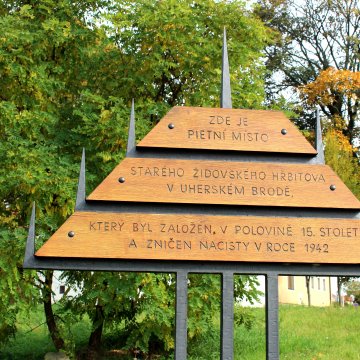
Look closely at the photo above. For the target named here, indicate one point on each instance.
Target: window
(324, 284)
(312, 282)
(291, 285)
(62, 289)
(319, 284)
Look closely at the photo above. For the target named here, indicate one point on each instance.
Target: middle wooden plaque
(225, 182)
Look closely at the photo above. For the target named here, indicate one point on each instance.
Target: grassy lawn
(305, 333)
(319, 333)
(32, 340)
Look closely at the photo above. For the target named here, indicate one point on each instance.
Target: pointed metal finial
(225, 97)
(320, 157)
(30, 242)
(131, 143)
(81, 190)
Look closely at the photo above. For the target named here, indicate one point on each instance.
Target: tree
(66, 84)
(328, 88)
(353, 288)
(47, 59)
(16, 287)
(307, 283)
(313, 35)
(176, 47)
(339, 155)
(341, 280)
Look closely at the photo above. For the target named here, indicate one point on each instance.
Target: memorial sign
(227, 129)
(289, 209)
(225, 182)
(205, 237)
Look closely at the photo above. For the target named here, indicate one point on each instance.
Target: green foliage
(353, 288)
(16, 293)
(32, 340)
(172, 51)
(146, 305)
(340, 157)
(45, 59)
(141, 304)
(244, 316)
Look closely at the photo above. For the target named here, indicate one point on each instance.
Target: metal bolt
(284, 131)
(332, 187)
(71, 233)
(171, 126)
(121, 180)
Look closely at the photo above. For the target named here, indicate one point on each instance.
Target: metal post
(181, 315)
(81, 190)
(272, 317)
(227, 316)
(225, 96)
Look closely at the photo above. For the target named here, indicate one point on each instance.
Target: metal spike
(225, 97)
(81, 190)
(320, 157)
(131, 143)
(30, 242)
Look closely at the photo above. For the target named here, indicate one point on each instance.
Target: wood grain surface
(227, 129)
(222, 182)
(203, 237)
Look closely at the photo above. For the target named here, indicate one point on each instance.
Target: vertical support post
(318, 140)
(131, 143)
(272, 317)
(227, 316)
(81, 190)
(30, 242)
(181, 315)
(225, 96)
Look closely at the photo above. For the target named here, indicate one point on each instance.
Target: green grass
(313, 333)
(305, 333)
(329, 333)
(32, 340)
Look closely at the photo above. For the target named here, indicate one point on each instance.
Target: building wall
(292, 290)
(59, 287)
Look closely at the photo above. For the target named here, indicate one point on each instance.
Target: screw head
(71, 234)
(332, 187)
(284, 131)
(121, 180)
(171, 126)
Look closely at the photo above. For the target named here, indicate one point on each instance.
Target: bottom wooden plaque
(207, 238)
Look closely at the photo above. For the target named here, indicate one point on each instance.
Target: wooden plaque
(227, 129)
(203, 237)
(222, 182)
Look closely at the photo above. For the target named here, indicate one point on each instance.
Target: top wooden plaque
(227, 129)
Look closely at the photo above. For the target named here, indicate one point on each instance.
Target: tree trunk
(308, 289)
(339, 285)
(49, 314)
(94, 345)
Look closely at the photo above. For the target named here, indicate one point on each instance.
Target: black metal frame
(182, 269)
(227, 270)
